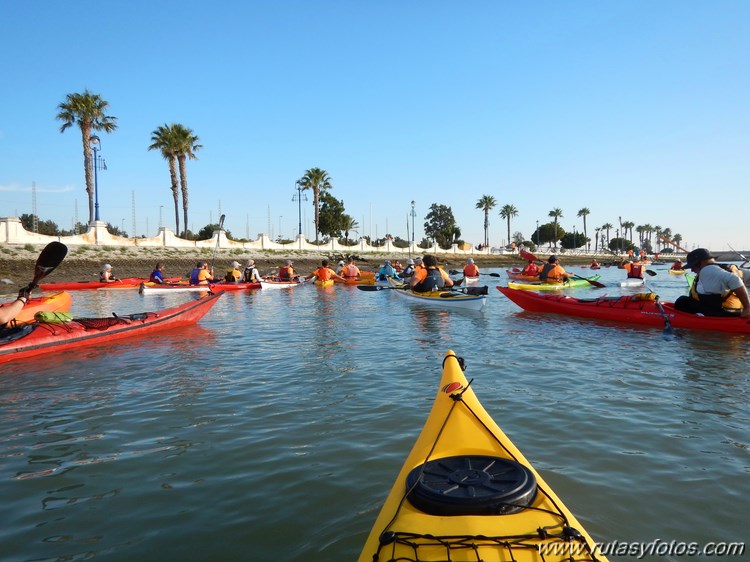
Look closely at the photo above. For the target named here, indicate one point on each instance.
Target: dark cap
(552, 259)
(696, 257)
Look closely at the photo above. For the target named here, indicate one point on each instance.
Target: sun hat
(470, 260)
(410, 262)
(235, 264)
(289, 262)
(250, 263)
(696, 257)
(418, 258)
(106, 267)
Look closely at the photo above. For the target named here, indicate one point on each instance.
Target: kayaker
(634, 269)
(106, 276)
(324, 273)
(553, 272)
(201, 275)
(594, 264)
(531, 269)
(409, 269)
(286, 272)
(233, 274)
(471, 269)
(250, 273)
(157, 275)
(715, 291)
(677, 265)
(386, 271)
(429, 278)
(418, 264)
(350, 270)
(340, 266)
(9, 311)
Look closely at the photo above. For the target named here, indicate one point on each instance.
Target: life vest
(432, 282)
(232, 276)
(531, 270)
(194, 276)
(471, 270)
(350, 271)
(551, 273)
(249, 275)
(323, 273)
(722, 304)
(635, 270)
(102, 277)
(286, 272)
(156, 277)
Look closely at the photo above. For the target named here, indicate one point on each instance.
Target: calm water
(273, 429)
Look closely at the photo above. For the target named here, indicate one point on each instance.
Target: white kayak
(149, 289)
(632, 282)
(445, 298)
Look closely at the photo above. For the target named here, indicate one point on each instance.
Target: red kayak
(221, 286)
(631, 309)
(42, 338)
(130, 282)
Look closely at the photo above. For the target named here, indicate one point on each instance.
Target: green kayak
(569, 284)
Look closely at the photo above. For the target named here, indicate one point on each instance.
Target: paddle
(591, 281)
(527, 255)
(213, 256)
(456, 272)
(372, 288)
(51, 256)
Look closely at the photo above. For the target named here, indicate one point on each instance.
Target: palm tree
(486, 203)
(164, 140)
(186, 148)
(348, 224)
(583, 213)
(596, 240)
(627, 226)
(508, 212)
(657, 231)
(90, 112)
(316, 180)
(556, 213)
(607, 226)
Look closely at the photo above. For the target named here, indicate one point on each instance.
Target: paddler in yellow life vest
(324, 273)
(553, 272)
(233, 274)
(716, 291)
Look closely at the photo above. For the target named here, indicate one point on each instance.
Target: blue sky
(633, 109)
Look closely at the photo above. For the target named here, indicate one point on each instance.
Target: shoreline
(17, 264)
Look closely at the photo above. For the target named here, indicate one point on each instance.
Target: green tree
(573, 240)
(47, 227)
(486, 203)
(556, 213)
(89, 111)
(547, 234)
(508, 212)
(317, 181)
(440, 225)
(208, 231)
(186, 145)
(163, 139)
(331, 215)
(349, 225)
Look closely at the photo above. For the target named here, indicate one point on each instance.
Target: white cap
(235, 264)
(341, 262)
(106, 267)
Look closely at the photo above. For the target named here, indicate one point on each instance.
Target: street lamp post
(537, 234)
(413, 215)
(160, 208)
(96, 145)
(299, 197)
(280, 217)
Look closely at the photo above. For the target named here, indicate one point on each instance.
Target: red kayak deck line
(89, 285)
(628, 309)
(48, 338)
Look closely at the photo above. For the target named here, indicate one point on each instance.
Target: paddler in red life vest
(350, 270)
(471, 269)
(634, 269)
(324, 273)
(677, 265)
(553, 272)
(531, 269)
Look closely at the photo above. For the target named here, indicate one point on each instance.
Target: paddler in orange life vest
(634, 269)
(430, 277)
(553, 272)
(324, 273)
(471, 269)
(350, 270)
(201, 275)
(286, 272)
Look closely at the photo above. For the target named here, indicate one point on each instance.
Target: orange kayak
(57, 302)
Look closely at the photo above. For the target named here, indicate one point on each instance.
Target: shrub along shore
(84, 263)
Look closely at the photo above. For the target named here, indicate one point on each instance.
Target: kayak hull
(569, 284)
(217, 287)
(629, 309)
(275, 284)
(518, 276)
(458, 426)
(324, 283)
(48, 338)
(632, 282)
(165, 288)
(128, 282)
(57, 302)
(446, 299)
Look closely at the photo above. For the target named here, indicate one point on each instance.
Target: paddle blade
(221, 221)
(52, 255)
(527, 255)
(650, 272)
(371, 288)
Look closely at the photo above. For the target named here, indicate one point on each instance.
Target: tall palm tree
(349, 224)
(596, 240)
(627, 226)
(583, 213)
(89, 111)
(316, 180)
(556, 213)
(187, 146)
(657, 231)
(607, 226)
(164, 139)
(486, 203)
(508, 212)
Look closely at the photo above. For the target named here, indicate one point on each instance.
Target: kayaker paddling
(9, 311)
(553, 272)
(430, 278)
(106, 275)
